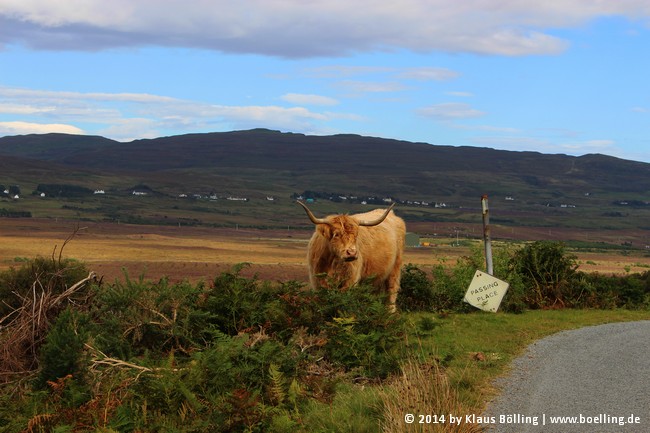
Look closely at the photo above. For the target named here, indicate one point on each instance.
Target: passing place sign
(486, 292)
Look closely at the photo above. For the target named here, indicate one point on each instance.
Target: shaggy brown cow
(349, 248)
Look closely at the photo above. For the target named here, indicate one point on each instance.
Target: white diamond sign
(486, 292)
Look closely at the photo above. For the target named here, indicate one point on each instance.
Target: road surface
(594, 379)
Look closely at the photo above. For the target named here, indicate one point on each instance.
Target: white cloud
(450, 111)
(32, 94)
(486, 128)
(358, 87)
(20, 128)
(293, 28)
(428, 74)
(588, 146)
(548, 145)
(126, 116)
(514, 142)
(131, 129)
(264, 113)
(461, 94)
(304, 99)
(23, 109)
(344, 71)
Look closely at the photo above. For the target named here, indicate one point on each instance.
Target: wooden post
(486, 234)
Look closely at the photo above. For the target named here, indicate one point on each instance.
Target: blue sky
(555, 77)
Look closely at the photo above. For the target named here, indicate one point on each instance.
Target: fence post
(486, 234)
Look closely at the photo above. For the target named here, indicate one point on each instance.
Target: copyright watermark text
(521, 419)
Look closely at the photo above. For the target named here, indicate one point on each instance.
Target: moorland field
(200, 253)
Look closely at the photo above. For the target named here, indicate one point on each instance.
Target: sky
(554, 76)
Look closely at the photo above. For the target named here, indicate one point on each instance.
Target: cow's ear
(325, 230)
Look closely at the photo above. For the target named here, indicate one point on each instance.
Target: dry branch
(23, 330)
(99, 358)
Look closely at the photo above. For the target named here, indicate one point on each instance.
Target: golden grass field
(196, 253)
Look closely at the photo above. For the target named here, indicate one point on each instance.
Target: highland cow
(349, 248)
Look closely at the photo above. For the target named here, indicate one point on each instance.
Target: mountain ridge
(263, 162)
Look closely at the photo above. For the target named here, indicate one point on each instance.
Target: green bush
(540, 275)
(546, 272)
(610, 291)
(62, 353)
(239, 355)
(142, 316)
(450, 285)
(236, 303)
(360, 331)
(416, 290)
(594, 291)
(446, 289)
(634, 291)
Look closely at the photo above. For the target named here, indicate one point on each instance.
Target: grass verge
(454, 362)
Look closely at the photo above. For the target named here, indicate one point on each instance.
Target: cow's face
(342, 232)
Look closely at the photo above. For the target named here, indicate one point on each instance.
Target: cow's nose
(351, 252)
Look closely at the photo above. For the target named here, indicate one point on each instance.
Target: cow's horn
(311, 215)
(378, 220)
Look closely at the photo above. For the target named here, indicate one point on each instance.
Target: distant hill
(262, 163)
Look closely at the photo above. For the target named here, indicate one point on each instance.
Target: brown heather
(422, 389)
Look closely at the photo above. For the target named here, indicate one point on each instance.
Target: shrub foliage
(236, 354)
(239, 354)
(541, 275)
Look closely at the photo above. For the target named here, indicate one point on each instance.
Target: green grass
(472, 350)
(500, 338)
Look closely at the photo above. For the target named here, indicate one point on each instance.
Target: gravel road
(597, 376)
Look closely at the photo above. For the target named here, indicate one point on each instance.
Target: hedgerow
(541, 275)
(238, 354)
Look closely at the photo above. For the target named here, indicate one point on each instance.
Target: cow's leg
(392, 298)
(393, 285)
